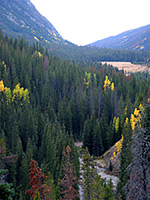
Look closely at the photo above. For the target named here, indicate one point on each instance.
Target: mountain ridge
(22, 19)
(134, 39)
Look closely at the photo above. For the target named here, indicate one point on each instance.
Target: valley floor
(128, 67)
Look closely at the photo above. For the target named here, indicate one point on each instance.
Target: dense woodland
(47, 103)
(86, 54)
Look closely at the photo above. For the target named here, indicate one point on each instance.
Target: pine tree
(138, 187)
(23, 181)
(69, 180)
(89, 174)
(97, 140)
(125, 159)
(104, 131)
(6, 190)
(50, 183)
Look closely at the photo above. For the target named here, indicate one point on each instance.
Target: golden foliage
(2, 88)
(108, 84)
(38, 53)
(136, 117)
(36, 38)
(116, 123)
(118, 146)
(19, 93)
(112, 87)
(127, 120)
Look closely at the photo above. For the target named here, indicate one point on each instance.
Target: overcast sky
(84, 21)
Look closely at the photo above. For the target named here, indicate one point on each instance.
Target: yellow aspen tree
(20, 94)
(112, 87)
(107, 83)
(117, 124)
(2, 86)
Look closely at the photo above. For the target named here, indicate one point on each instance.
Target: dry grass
(128, 67)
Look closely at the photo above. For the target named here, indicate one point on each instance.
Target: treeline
(86, 54)
(64, 101)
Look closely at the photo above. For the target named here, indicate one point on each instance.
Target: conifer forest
(48, 103)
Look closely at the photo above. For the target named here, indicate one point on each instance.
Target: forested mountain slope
(46, 103)
(136, 39)
(19, 18)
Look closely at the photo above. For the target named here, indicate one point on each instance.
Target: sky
(85, 21)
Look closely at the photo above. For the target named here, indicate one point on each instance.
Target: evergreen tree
(69, 180)
(138, 187)
(104, 131)
(88, 174)
(6, 190)
(97, 140)
(125, 159)
(50, 183)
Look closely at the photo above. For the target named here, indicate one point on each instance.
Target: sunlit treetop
(116, 123)
(127, 120)
(136, 117)
(2, 88)
(112, 87)
(18, 94)
(108, 84)
(38, 53)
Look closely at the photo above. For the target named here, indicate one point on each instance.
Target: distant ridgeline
(136, 39)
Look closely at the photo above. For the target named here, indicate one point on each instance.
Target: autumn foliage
(18, 94)
(108, 84)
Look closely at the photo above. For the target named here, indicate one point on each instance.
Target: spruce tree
(125, 159)
(69, 180)
(88, 175)
(138, 187)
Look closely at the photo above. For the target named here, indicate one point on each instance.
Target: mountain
(135, 39)
(19, 18)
